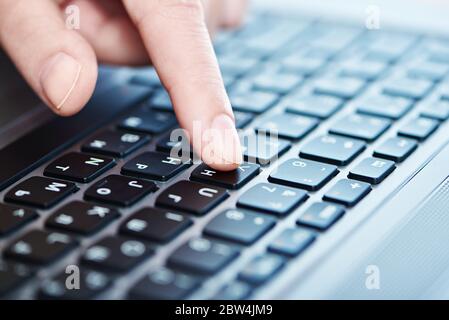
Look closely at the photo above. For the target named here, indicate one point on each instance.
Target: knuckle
(182, 9)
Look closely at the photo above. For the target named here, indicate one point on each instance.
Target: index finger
(176, 37)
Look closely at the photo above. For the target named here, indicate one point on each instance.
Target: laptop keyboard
(90, 206)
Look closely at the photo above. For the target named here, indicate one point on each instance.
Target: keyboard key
(408, 88)
(160, 101)
(230, 179)
(263, 149)
(321, 215)
(333, 149)
(116, 254)
(149, 121)
(193, 197)
(292, 242)
(91, 284)
(40, 247)
(115, 143)
(153, 224)
(13, 218)
(314, 105)
(272, 198)
(255, 102)
(237, 67)
(155, 166)
(78, 167)
(179, 143)
(242, 119)
(340, 87)
(276, 82)
(240, 226)
(419, 128)
(372, 170)
(360, 127)
(40, 192)
(438, 110)
(82, 218)
(396, 149)
(385, 106)
(261, 269)
(119, 190)
(428, 70)
(288, 126)
(347, 192)
(12, 276)
(236, 290)
(305, 66)
(301, 173)
(363, 69)
(147, 77)
(164, 284)
(203, 256)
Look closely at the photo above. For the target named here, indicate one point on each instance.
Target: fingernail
(226, 141)
(59, 77)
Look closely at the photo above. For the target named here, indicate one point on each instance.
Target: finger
(57, 63)
(176, 37)
(107, 27)
(213, 13)
(234, 13)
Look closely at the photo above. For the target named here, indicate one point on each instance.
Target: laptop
(342, 107)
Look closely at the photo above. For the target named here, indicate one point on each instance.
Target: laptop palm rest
(401, 252)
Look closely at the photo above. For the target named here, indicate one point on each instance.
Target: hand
(61, 64)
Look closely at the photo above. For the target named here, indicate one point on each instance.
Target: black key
(419, 128)
(348, 192)
(179, 144)
(408, 88)
(203, 256)
(155, 225)
(230, 179)
(360, 127)
(314, 105)
(155, 166)
(40, 192)
(300, 173)
(363, 69)
(164, 284)
(385, 106)
(115, 143)
(40, 247)
(333, 149)
(340, 87)
(261, 269)
(62, 132)
(12, 276)
(147, 77)
(321, 215)
(13, 218)
(438, 110)
(288, 126)
(193, 197)
(78, 167)
(239, 226)
(119, 190)
(236, 290)
(263, 149)
(255, 102)
(149, 121)
(242, 119)
(91, 283)
(272, 198)
(82, 218)
(372, 170)
(116, 254)
(280, 83)
(160, 101)
(397, 149)
(292, 242)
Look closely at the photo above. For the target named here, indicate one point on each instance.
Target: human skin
(61, 64)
